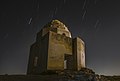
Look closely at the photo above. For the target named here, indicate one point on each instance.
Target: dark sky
(97, 22)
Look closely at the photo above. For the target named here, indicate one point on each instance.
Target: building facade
(56, 50)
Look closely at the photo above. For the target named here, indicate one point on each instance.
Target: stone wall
(38, 50)
(78, 53)
(59, 45)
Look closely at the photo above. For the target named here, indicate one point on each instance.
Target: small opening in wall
(64, 34)
(35, 61)
(65, 64)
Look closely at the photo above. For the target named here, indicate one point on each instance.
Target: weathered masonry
(56, 50)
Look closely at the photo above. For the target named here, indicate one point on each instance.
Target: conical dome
(58, 27)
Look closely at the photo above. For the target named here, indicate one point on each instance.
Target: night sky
(97, 22)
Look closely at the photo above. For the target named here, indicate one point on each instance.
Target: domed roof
(56, 24)
(61, 28)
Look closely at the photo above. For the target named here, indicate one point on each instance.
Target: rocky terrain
(84, 74)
